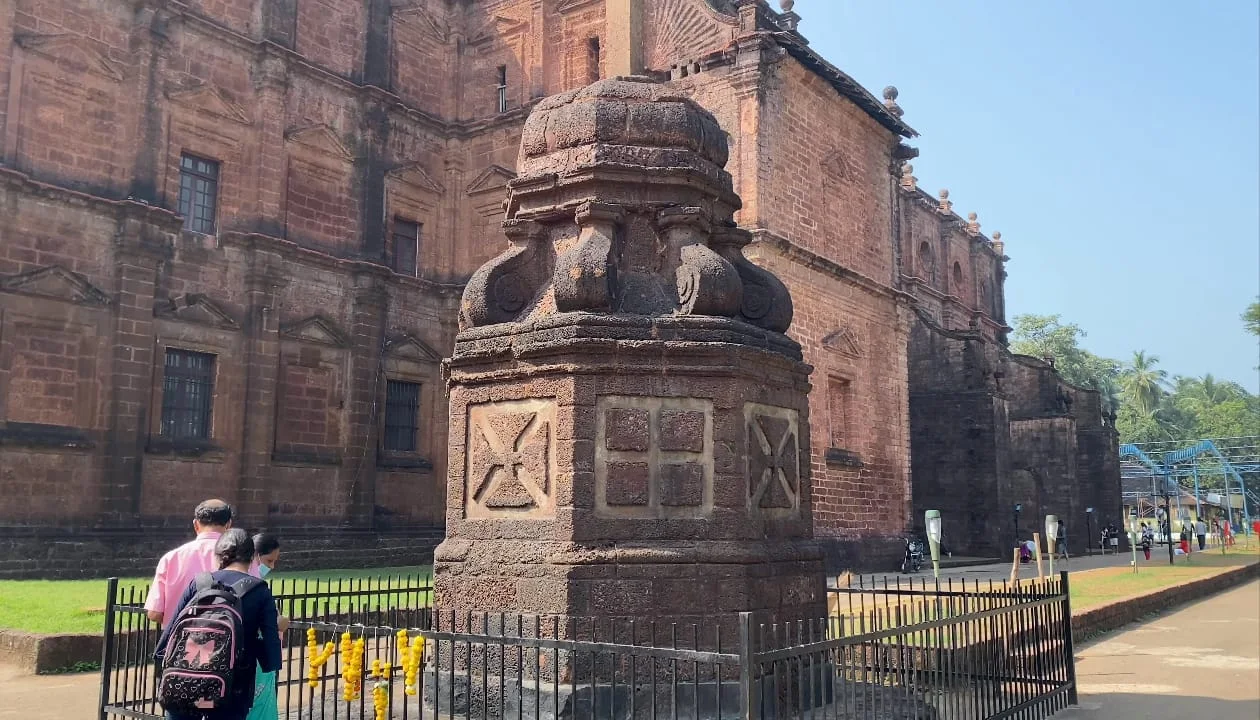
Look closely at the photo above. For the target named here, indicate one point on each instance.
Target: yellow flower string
(381, 672)
(318, 657)
(412, 658)
(352, 669)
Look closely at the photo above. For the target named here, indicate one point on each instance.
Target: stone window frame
(500, 88)
(394, 390)
(415, 239)
(420, 459)
(957, 276)
(846, 380)
(196, 413)
(193, 222)
(926, 259)
(212, 448)
(594, 71)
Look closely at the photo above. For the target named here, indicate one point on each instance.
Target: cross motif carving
(510, 457)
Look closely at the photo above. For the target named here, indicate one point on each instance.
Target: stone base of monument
(462, 696)
(477, 697)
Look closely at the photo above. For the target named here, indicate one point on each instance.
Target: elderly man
(177, 568)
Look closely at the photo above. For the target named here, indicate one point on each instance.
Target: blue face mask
(263, 570)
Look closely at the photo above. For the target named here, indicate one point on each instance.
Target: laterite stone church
(234, 236)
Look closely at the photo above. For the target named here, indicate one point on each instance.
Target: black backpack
(204, 646)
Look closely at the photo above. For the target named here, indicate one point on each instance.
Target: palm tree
(1144, 383)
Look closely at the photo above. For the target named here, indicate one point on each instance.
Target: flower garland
(319, 658)
(381, 672)
(412, 658)
(352, 668)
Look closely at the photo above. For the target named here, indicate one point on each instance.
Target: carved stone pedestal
(629, 424)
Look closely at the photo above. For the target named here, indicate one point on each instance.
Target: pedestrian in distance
(1147, 537)
(1200, 530)
(225, 628)
(178, 567)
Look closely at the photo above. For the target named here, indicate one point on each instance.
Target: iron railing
(890, 649)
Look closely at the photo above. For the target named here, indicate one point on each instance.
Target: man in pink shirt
(177, 568)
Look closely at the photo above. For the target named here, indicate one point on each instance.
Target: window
(958, 275)
(838, 412)
(402, 412)
(926, 262)
(502, 89)
(187, 394)
(592, 59)
(198, 192)
(406, 247)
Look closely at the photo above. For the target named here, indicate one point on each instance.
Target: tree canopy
(1148, 403)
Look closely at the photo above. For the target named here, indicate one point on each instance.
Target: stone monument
(629, 430)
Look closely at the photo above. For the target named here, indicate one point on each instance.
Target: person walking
(1147, 537)
(266, 704)
(1200, 531)
(259, 630)
(178, 567)
(1185, 538)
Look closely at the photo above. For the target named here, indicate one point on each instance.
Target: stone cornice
(813, 261)
(22, 182)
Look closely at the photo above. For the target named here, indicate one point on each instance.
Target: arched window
(958, 277)
(927, 263)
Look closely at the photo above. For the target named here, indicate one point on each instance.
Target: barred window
(501, 88)
(406, 247)
(198, 192)
(402, 415)
(187, 394)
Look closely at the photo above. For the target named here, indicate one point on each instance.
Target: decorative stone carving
(628, 257)
(653, 457)
(511, 459)
(774, 470)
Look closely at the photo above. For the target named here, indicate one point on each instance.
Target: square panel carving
(774, 466)
(511, 456)
(653, 457)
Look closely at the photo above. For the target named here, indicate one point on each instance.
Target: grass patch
(1093, 588)
(78, 606)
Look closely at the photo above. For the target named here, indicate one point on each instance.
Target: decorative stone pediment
(315, 329)
(499, 27)
(72, 52)
(209, 100)
(409, 347)
(565, 6)
(837, 168)
(321, 139)
(418, 16)
(56, 282)
(195, 308)
(494, 178)
(843, 341)
(415, 176)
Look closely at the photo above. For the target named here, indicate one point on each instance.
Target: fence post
(1068, 647)
(107, 647)
(747, 682)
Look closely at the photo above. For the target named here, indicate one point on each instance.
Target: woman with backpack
(266, 705)
(225, 630)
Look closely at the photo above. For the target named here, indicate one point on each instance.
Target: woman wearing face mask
(267, 549)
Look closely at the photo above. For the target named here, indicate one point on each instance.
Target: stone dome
(627, 122)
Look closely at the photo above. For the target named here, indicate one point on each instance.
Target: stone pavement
(1198, 663)
(47, 697)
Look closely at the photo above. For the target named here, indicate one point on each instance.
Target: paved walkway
(47, 697)
(1201, 662)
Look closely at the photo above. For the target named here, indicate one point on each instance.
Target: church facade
(236, 232)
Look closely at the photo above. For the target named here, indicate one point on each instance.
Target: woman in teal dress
(265, 706)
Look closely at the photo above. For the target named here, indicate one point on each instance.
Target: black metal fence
(887, 650)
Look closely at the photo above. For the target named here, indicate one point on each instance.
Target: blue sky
(1115, 144)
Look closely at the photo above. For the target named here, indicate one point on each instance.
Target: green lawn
(78, 606)
(1098, 587)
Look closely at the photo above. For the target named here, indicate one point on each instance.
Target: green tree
(1144, 383)
(1047, 336)
(1251, 318)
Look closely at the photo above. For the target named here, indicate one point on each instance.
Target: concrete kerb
(1096, 621)
(42, 654)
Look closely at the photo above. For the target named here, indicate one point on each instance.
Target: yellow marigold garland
(319, 657)
(381, 672)
(412, 658)
(352, 667)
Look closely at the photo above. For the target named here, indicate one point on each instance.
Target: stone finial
(999, 247)
(973, 225)
(945, 205)
(908, 180)
(788, 20)
(786, 5)
(890, 101)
